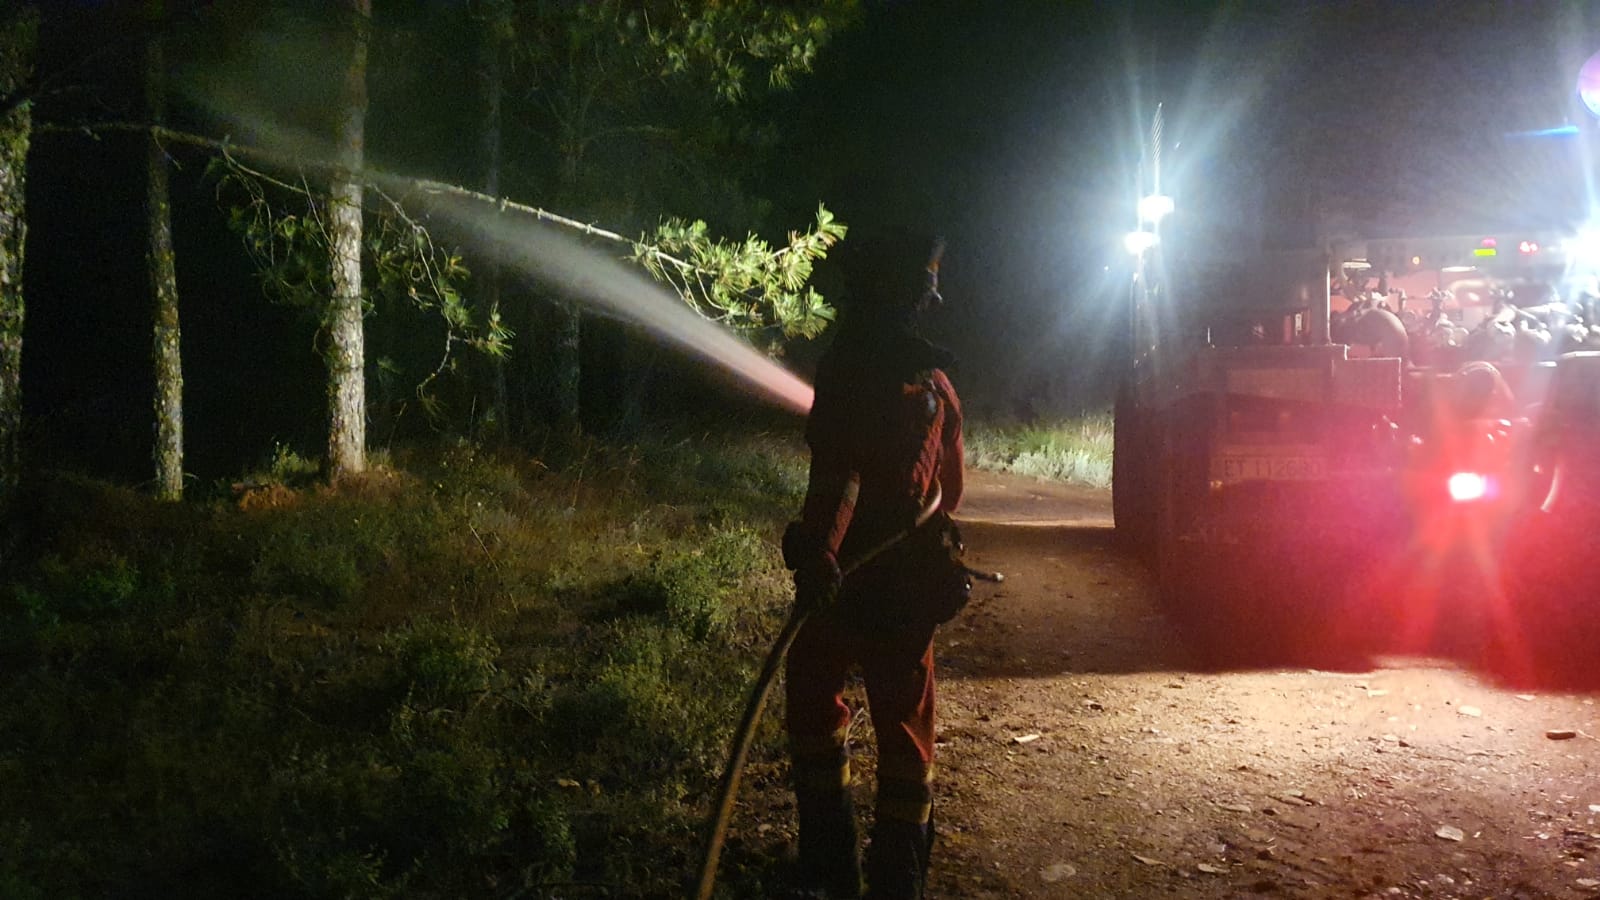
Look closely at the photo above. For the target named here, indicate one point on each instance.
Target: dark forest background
(1013, 129)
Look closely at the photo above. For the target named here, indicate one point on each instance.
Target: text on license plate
(1273, 468)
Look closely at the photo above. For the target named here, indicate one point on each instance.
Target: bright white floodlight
(1583, 249)
(1138, 242)
(1589, 84)
(1154, 208)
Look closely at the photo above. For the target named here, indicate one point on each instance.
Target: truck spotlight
(1583, 249)
(1154, 208)
(1589, 84)
(1138, 242)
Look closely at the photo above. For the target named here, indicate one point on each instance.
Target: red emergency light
(1466, 487)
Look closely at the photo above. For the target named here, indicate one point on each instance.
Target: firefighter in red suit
(885, 439)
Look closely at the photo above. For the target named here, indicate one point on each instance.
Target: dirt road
(1085, 753)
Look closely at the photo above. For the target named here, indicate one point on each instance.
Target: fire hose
(728, 789)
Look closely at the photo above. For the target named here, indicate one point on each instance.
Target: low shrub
(469, 676)
(689, 584)
(444, 661)
(1077, 450)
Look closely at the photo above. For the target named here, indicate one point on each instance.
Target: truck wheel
(1204, 587)
(1550, 627)
(1132, 474)
(1178, 492)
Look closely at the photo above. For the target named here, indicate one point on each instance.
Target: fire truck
(1355, 413)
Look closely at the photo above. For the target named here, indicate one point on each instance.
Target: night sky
(1015, 128)
(1012, 128)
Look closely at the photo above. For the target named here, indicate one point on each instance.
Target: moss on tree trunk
(167, 344)
(347, 392)
(17, 45)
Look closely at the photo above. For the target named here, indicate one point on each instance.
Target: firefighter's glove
(800, 544)
(816, 569)
(816, 583)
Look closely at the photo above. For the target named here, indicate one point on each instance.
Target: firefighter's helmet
(892, 270)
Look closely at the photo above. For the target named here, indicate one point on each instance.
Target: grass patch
(1078, 450)
(467, 675)
(464, 674)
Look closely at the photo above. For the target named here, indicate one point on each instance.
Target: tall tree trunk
(17, 45)
(494, 420)
(568, 320)
(163, 279)
(568, 362)
(347, 390)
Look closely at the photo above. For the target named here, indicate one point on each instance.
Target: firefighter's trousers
(897, 667)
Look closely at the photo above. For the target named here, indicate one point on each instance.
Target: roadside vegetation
(1076, 450)
(459, 675)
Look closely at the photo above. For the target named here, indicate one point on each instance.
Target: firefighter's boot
(897, 860)
(902, 841)
(830, 845)
(830, 852)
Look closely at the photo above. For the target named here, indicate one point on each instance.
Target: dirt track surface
(1085, 752)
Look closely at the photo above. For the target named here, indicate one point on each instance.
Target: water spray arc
(528, 240)
(531, 240)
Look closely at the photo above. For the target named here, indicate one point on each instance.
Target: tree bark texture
(166, 350)
(17, 45)
(347, 394)
(494, 419)
(568, 362)
(566, 315)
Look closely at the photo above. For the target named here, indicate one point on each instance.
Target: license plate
(1273, 468)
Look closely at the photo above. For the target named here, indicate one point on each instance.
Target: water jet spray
(525, 242)
(526, 238)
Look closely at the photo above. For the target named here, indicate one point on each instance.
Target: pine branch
(699, 282)
(229, 147)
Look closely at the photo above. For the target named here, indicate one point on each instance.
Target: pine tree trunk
(347, 391)
(494, 420)
(568, 365)
(163, 284)
(567, 318)
(17, 45)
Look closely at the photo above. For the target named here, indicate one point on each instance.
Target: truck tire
(1206, 589)
(1173, 509)
(1132, 475)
